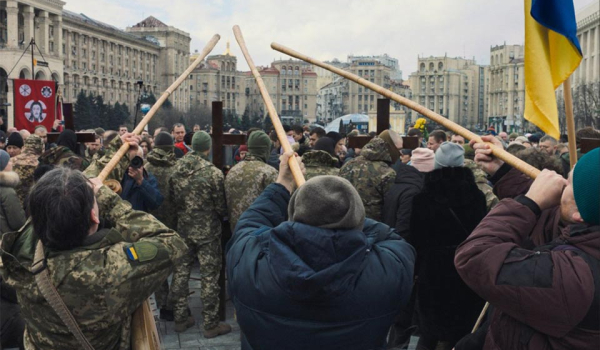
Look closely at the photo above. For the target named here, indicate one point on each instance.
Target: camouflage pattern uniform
(63, 156)
(371, 175)
(319, 163)
(99, 283)
(98, 163)
(161, 163)
(197, 188)
(482, 183)
(244, 183)
(25, 163)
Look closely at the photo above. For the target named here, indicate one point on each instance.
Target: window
(51, 46)
(51, 31)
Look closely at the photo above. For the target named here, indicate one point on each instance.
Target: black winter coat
(446, 211)
(397, 203)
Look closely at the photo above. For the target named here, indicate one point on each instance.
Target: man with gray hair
(548, 145)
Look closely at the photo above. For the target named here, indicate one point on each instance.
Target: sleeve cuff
(504, 169)
(529, 203)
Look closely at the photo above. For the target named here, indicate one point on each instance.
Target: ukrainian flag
(552, 53)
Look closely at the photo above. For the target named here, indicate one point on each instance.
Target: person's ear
(576, 217)
(94, 217)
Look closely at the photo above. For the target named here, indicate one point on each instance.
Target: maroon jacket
(540, 297)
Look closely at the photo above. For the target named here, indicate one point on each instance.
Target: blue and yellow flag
(552, 53)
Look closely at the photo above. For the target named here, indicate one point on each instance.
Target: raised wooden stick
(144, 334)
(498, 151)
(570, 122)
(140, 127)
(294, 166)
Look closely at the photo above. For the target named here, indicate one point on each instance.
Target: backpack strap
(42, 279)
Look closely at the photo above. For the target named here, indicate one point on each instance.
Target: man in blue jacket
(308, 271)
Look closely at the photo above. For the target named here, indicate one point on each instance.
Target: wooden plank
(383, 114)
(587, 145)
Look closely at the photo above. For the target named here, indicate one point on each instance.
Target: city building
(333, 100)
(361, 99)
(388, 61)
(451, 87)
(90, 56)
(325, 77)
(505, 88)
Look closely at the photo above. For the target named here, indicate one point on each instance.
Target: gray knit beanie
(4, 159)
(449, 155)
(329, 202)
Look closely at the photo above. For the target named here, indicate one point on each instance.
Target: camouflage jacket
(99, 282)
(63, 156)
(319, 163)
(25, 164)
(371, 175)
(481, 179)
(161, 162)
(244, 183)
(98, 163)
(197, 189)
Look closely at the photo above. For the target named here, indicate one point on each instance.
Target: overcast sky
(327, 29)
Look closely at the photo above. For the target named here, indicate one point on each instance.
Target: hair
(587, 133)
(549, 138)
(320, 132)
(286, 128)
(147, 141)
(515, 148)
(439, 136)
(273, 136)
(539, 159)
(41, 170)
(109, 136)
(177, 125)
(60, 204)
(561, 146)
(415, 132)
(40, 127)
(123, 126)
(162, 128)
(298, 129)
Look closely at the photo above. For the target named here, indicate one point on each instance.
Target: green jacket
(63, 156)
(98, 163)
(12, 216)
(319, 163)
(160, 162)
(98, 282)
(371, 175)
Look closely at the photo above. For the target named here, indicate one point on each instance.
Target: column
(42, 40)
(28, 28)
(58, 35)
(12, 17)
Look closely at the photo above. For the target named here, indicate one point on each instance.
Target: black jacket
(446, 211)
(398, 200)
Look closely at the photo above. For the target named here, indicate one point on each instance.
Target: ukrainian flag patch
(131, 253)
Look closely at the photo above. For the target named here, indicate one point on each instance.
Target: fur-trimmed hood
(9, 179)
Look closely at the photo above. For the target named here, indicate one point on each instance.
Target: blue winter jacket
(296, 286)
(144, 197)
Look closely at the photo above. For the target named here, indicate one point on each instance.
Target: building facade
(90, 56)
(333, 100)
(385, 59)
(452, 87)
(361, 99)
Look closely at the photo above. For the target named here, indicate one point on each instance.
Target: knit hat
(329, 202)
(163, 139)
(201, 141)
(68, 139)
(259, 145)
(449, 155)
(15, 139)
(335, 136)
(388, 137)
(586, 186)
(34, 143)
(513, 136)
(4, 159)
(422, 159)
(99, 131)
(521, 139)
(325, 144)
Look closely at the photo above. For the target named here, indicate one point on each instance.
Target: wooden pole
(481, 316)
(570, 122)
(143, 327)
(140, 127)
(499, 152)
(294, 166)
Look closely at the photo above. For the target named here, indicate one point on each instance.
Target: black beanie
(163, 139)
(329, 202)
(68, 139)
(325, 144)
(335, 136)
(15, 139)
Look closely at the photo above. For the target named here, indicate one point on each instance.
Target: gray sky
(327, 29)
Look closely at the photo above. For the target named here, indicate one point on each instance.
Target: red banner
(35, 103)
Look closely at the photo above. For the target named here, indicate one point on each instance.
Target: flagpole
(570, 122)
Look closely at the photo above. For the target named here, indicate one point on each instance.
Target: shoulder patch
(141, 251)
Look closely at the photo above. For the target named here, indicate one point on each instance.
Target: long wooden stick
(140, 127)
(293, 163)
(499, 152)
(143, 328)
(481, 316)
(570, 122)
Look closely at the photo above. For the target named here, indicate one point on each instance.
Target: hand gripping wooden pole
(144, 335)
(515, 162)
(293, 163)
(498, 151)
(140, 127)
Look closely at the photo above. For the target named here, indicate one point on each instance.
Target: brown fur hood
(9, 179)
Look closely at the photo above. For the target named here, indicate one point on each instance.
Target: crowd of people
(381, 244)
